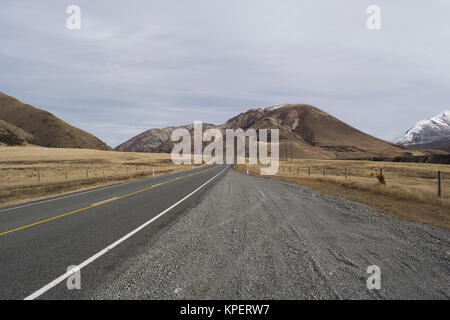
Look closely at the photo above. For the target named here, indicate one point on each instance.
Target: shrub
(381, 179)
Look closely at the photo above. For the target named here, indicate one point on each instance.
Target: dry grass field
(410, 190)
(31, 173)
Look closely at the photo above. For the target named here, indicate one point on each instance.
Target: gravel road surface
(257, 238)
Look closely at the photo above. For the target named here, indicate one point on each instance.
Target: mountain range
(22, 124)
(433, 133)
(305, 132)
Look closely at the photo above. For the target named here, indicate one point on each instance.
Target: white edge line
(88, 191)
(111, 246)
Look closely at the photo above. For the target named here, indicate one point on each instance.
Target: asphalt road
(238, 237)
(39, 241)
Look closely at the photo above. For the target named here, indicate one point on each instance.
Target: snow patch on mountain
(272, 107)
(426, 131)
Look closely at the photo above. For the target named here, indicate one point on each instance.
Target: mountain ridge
(312, 132)
(42, 128)
(427, 131)
(442, 144)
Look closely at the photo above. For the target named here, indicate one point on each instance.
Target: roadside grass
(20, 168)
(409, 190)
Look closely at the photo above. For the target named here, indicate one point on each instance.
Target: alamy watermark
(258, 147)
(73, 22)
(374, 280)
(74, 280)
(374, 19)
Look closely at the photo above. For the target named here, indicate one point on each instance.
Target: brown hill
(44, 128)
(154, 140)
(305, 132)
(147, 141)
(13, 136)
(314, 133)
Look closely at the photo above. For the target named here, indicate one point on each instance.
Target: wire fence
(426, 178)
(35, 176)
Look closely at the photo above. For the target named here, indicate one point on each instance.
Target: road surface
(259, 238)
(238, 237)
(38, 242)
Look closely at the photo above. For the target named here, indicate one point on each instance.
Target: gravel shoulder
(256, 238)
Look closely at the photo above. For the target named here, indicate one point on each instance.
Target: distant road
(97, 230)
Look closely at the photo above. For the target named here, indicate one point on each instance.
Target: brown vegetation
(13, 136)
(43, 128)
(31, 173)
(407, 190)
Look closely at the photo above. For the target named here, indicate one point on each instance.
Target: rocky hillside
(41, 128)
(305, 132)
(154, 140)
(13, 136)
(442, 144)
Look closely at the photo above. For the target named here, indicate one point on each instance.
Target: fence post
(346, 173)
(153, 171)
(439, 184)
(39, 176)
(291, 152)
(87, 173)
(298, 171)
(289, 169)
(324, 171)
(381, 172)
(285, 151)
(309, 171)
(66, 174)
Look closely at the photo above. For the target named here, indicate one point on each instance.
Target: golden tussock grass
(32, 173)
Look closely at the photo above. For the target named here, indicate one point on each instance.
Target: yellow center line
(102, 203)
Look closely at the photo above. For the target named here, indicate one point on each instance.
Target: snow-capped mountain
(426, 131)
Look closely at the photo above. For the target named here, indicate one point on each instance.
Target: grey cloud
(140, 64)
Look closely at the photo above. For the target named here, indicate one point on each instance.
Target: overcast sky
(136, 65)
